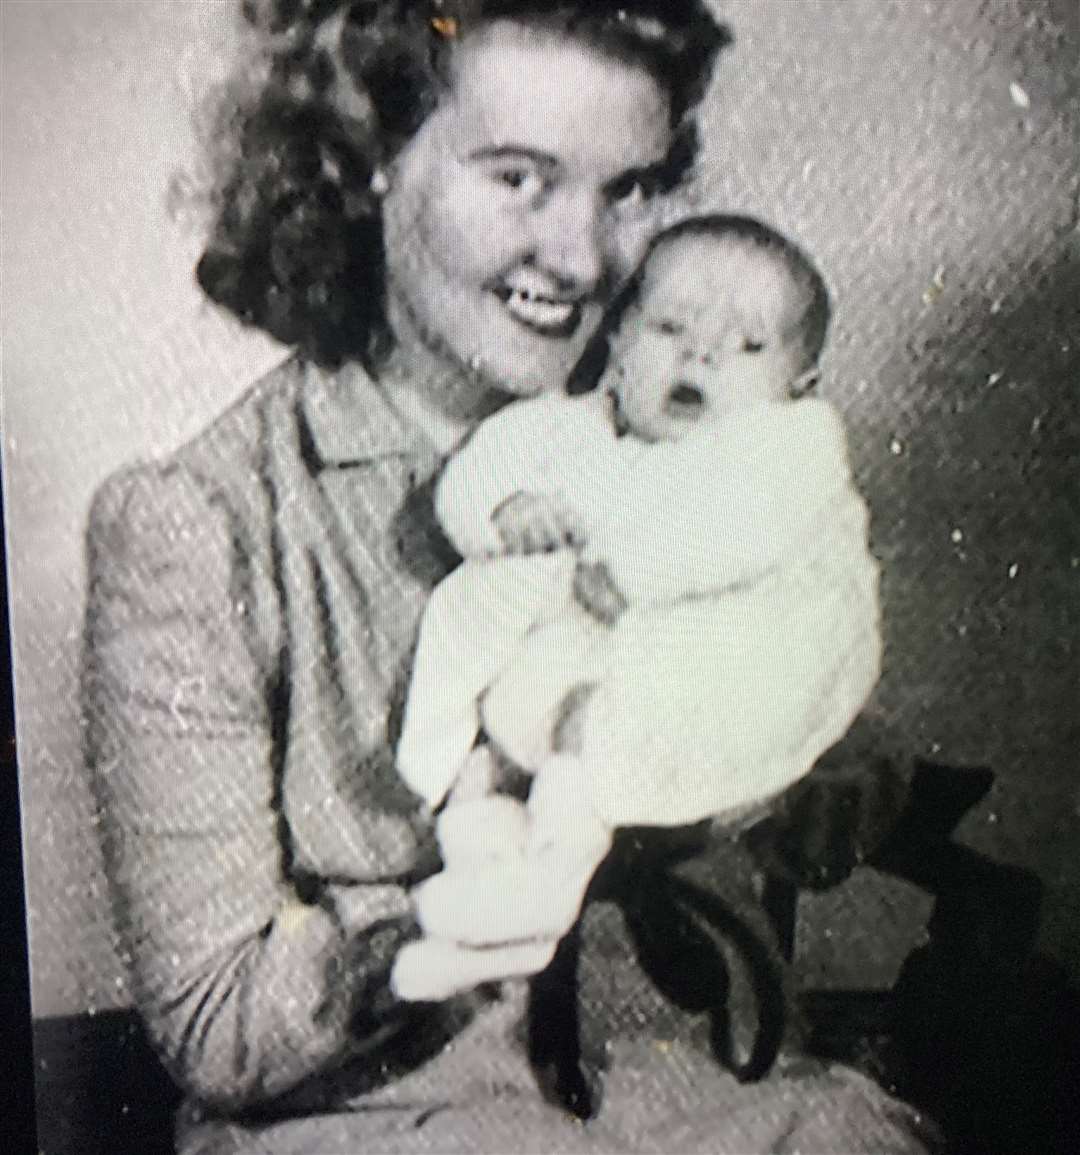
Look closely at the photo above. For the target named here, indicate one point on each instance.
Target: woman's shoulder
(221, 462)
(265, 412)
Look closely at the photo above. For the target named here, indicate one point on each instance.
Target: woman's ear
(805, 383)
(380, 182)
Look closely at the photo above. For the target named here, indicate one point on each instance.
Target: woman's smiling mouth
(543, 314)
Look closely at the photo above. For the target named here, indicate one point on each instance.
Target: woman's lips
(543, 314)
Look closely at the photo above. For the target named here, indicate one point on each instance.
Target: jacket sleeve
(246, 989)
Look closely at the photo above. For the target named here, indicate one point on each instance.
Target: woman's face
(520, 203)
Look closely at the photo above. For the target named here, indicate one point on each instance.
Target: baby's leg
(562, 827)
(523, 705)
(475, 621)
(713, 707)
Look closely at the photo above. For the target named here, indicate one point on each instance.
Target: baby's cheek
(645, 357)
(641, 379)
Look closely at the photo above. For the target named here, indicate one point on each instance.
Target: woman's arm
(245, 989)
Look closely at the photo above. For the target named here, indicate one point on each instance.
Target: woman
(421, 203)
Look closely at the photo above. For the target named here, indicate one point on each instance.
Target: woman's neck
(444, 401)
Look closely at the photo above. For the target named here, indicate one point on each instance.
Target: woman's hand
(537, 523)
(597, 593)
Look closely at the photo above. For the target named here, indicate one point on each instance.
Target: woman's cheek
(485, 235)
(628, 234)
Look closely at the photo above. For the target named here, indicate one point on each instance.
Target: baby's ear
(805, 383)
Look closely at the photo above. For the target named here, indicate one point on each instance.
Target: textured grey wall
(925, 152)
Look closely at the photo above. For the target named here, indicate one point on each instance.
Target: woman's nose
(697, 357)
(570, 246)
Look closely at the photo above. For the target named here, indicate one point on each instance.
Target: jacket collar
(350, 422)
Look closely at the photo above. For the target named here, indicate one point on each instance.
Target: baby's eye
(749, 346)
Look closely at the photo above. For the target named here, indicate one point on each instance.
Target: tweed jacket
(252, 605)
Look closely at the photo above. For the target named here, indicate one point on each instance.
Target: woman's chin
(526, 367)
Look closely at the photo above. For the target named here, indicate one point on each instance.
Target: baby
(658, 569)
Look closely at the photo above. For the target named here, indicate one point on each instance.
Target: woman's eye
(629, 192)
(749, 346)
(667, 328)
(631, 197)
(522, 180)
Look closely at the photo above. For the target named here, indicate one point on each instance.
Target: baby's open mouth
(543, 314)
(684, 400)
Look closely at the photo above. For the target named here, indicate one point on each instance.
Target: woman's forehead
(514, 85)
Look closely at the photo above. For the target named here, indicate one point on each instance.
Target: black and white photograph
(543, 573)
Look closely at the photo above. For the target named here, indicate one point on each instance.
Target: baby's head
(723, 314)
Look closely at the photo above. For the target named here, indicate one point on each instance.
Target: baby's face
(715, 329)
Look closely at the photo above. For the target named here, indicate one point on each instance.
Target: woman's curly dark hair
(296, 246)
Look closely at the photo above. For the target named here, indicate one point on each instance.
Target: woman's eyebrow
(514, 152)
(660, 176)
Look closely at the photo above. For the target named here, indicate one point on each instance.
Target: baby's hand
(537, 523)
(597, 593)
